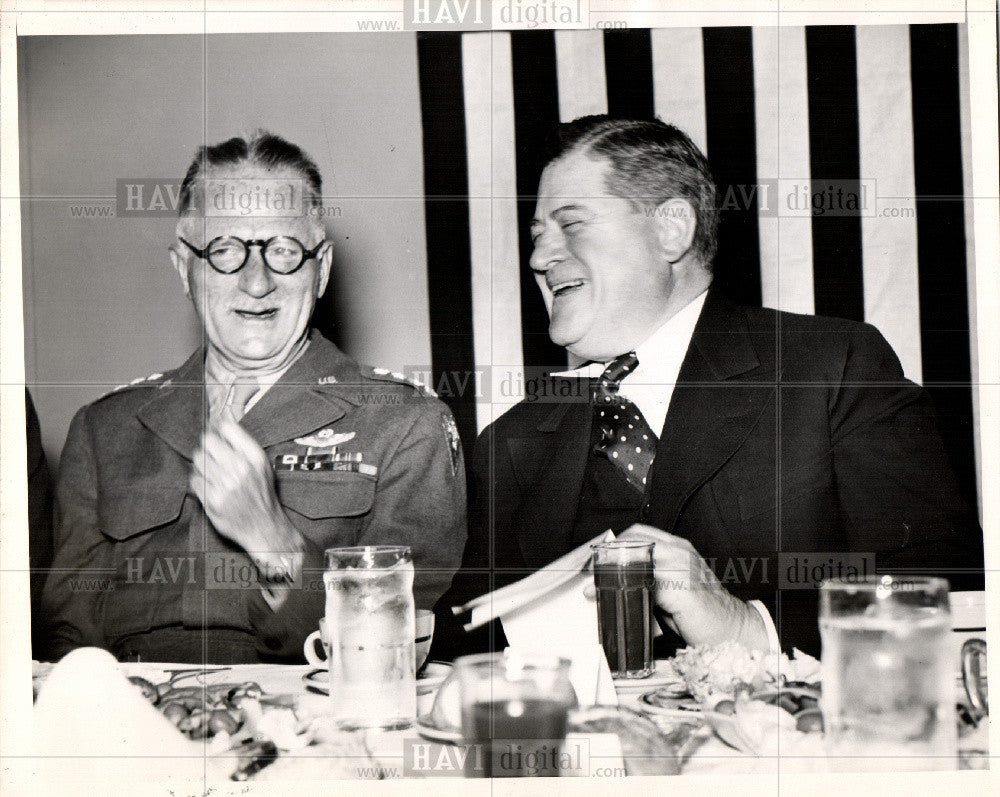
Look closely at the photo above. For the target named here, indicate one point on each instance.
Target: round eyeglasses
(228, 254)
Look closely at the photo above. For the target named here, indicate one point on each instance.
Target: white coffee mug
(312, 650)
(424, 634)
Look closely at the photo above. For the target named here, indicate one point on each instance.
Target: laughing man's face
(597, 259)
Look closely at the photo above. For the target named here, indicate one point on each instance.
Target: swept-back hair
(262, 149)
(651, 162)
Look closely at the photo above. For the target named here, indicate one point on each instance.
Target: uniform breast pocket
(325, 494)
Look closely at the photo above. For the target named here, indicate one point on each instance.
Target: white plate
(679, 707)
(663, 676)
(427, 729)
(433, 673)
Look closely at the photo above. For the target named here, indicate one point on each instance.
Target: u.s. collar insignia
(324, 438)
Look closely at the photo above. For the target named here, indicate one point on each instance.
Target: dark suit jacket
(139, 569)
(39, 518)
(787, 436)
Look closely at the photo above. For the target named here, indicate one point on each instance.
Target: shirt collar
(219, 379)
(217, 372)
(661, 353)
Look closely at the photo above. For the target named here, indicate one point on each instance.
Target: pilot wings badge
(324, 438)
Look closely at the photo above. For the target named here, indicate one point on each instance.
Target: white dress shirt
(651, 385)
(220, 380)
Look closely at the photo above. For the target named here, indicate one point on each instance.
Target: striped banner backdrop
(796, 112)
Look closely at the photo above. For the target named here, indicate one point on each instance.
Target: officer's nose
(256, 279)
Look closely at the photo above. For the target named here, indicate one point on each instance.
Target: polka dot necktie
(626, 439)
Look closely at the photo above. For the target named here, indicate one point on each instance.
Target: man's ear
(180, 264)
(325, 264)
(676, 225)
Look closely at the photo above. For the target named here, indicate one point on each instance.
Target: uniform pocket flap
(321, 494)
(127, 513)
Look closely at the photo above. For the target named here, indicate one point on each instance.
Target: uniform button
(272, 643)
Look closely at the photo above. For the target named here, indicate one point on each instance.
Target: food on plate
(337, 756)
(252, 757)
(761, 728)
(201, 712)
(756, 702)
(667, 697)
(645, 748)
(797, 699)
(809, 720)
(715, 672)
(92, 725)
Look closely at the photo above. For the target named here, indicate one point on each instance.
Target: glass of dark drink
(623, 577)
(514, 712)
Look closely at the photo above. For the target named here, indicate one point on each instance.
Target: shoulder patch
(385, 375)
(454, 441)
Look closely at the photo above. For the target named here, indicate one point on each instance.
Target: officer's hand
(235, 484)
(699, 608)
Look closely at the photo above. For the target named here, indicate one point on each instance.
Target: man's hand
(700, 609)
(235, 484)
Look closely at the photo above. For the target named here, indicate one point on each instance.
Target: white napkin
(588, 671)
(528, 591)
(563, 622)
(559, 618)
(91, 725)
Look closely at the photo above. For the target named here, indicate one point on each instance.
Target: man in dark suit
(194, 506)
(793, 447)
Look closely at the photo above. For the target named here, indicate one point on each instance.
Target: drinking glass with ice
(370, 618)
(888, 676)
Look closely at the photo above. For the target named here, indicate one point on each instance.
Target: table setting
(902, 686)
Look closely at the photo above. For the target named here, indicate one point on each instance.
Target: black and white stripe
(811, 104)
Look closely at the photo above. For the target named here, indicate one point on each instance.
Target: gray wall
(102, 304)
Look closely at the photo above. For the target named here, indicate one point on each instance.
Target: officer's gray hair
(262, 149)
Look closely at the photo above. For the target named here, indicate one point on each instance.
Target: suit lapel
(549, 468)
(721, 391)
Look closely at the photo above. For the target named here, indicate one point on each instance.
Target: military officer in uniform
(200, 500)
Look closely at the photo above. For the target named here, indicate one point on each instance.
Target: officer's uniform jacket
(361, 457)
